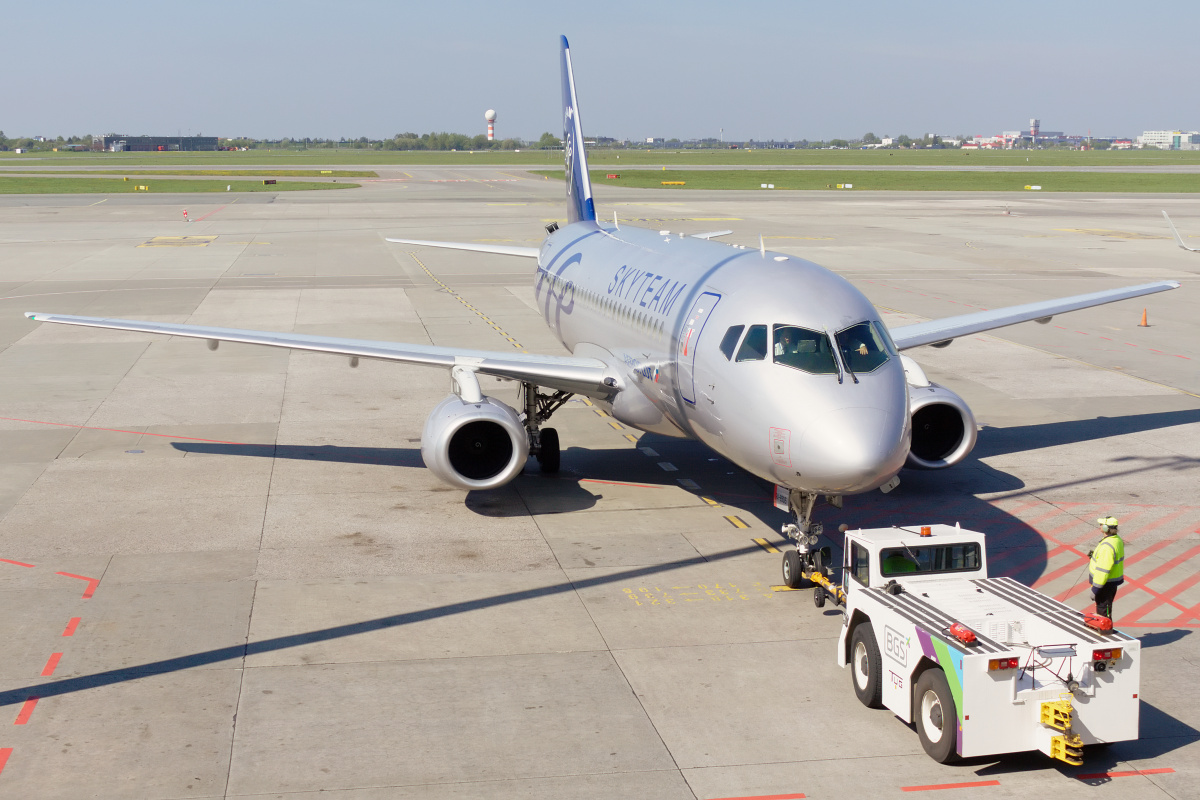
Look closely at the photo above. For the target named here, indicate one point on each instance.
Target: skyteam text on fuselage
(777, 364)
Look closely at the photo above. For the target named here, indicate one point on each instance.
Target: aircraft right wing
(1178, 238)
(586, 376)
(943, 330)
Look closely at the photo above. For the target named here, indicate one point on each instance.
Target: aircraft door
(689, 341)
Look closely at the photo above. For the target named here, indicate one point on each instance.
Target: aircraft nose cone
(854, 449)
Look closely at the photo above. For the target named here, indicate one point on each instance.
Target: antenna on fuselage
(762, 247)
(616, 224)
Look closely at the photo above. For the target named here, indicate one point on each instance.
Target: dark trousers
(1104, 599)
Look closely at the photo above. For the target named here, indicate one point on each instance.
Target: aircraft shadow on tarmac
(1016, 549)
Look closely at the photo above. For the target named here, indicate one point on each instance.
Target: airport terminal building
(119, 144)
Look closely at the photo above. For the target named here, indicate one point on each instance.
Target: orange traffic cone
(1143, 323)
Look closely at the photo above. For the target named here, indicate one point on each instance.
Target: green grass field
(749, 158)
(72, 185)
(896, 180)
(266, 173)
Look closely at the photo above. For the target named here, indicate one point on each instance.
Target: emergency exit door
(689, 342)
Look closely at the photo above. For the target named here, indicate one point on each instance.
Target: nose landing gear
(807, 558)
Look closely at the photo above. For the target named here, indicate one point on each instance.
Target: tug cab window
(860, 561)
(923, 560)
(802, 349)
(754, 346)
(731, 339)
(864, 347)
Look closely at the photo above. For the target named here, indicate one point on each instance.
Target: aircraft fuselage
(772, 397)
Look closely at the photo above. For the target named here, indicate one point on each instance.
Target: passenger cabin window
(754, 346)
(929, 560)
(803, 349)
(864, 347)
(731, 339)
(860, 561)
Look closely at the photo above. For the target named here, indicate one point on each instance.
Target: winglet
(580, 206)
(1178, 238)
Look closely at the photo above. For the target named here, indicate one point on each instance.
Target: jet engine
(474, 445)
(943, 427)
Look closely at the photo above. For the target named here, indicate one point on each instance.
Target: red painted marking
(116, 430)
(1129, 560)
(936, 786)
(51, 665)
(92, 583)
(620, 483)
(71, 626)
(26, 711)
(764, 797)
(17, 563)
(1130, 773)
(5, 752)
(209, 214)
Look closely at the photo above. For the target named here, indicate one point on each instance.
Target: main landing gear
(807, 558)
(543, 442)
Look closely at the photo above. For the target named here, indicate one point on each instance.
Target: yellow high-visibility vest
(1108, 562)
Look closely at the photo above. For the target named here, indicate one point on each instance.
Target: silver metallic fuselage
(661, 313)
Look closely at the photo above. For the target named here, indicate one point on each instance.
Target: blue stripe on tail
(579, 185)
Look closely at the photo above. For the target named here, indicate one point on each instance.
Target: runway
(227, 574)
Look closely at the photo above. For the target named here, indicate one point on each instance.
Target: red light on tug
(962, 633)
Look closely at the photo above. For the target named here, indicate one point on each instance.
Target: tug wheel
(937, 718)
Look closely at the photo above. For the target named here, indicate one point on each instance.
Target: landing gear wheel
(792, 570)
(818, 562)
(549, 455)
(936, 716)
(865, 666)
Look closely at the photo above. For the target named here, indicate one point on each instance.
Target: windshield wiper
(841, 359)
(837, 358)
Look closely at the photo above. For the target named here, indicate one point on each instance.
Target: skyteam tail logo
(579, 188)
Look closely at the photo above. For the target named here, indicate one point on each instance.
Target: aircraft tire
(936, 717)
(793, 571)
(550, 456)
(866, 667)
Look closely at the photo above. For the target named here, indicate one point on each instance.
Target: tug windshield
(923, 560)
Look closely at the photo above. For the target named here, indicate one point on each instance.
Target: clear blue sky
(757, 68)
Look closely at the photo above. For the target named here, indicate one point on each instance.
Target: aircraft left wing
(943, 330)
(586, 376)
(501, 249)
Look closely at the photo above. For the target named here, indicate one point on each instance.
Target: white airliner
(772, 361)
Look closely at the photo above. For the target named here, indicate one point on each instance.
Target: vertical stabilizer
(579, 185)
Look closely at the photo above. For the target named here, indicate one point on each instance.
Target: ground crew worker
(1107, 566)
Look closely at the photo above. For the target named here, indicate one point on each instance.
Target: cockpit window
(803, 349)
(864, 347)
(754, 346)
(731, 339)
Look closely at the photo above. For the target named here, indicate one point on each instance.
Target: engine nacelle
(943, 427)
(474, 445)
